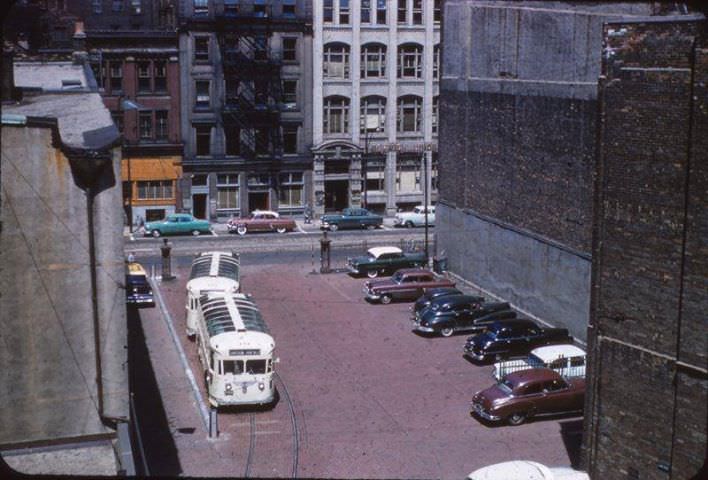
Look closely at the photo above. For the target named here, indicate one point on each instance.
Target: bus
(211, 272)
(235, 350)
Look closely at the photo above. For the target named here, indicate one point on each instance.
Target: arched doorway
(337, 176)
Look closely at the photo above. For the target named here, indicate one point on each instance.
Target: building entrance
(258, 201)
(336, 195)
(199, 205)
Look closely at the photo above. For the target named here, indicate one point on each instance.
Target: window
(160, 72)
(145, 125)
(375, 175)
(117, 5)
(343, 12)
(402, 11)
(328, 11)
(436, 62)
(199, 180)
(290, 93)
(437, 12)
(381, 12)
(408, 174)
(291, 190)
(262, 140)
(259, 8)
(290, 49)
(136, 7)
(201, 49)
(336, 115)
(203, 134)
(435, 114)
(373, 60)
(289, 8)
(532, 389)
(144, 77)
(155, 190)
(290, 139)
(256, 367)
(233, 139)
(227, 191)
(97, 6)
(231, 7)
(373, 114)
(116, 71)
(161, 125)
(202, 94)
(118, 120)
(365, 11)
(234, 367)
(417, 12)
(336, 61)
(201, 7)
(410, 61)
(409, 113)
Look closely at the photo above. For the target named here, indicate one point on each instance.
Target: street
(361, 395)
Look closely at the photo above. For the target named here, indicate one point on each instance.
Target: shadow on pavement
(572, 433)
(160, 451)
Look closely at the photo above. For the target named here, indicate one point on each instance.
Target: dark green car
(384, 260)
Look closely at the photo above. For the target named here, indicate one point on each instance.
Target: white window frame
(373, 114)
(332, 68)
(373, 54)
(405, 104)
(410, 58)
(335, 108)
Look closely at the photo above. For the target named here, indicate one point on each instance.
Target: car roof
(378, 251)
(457, 299)
(533, 375)
(135, 268)
(552, 352)
(513, 470)
(270, 212)
(512, 322)
(413, 270)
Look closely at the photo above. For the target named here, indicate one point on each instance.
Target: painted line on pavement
(203, 410)
(384, 227)
(300, 229)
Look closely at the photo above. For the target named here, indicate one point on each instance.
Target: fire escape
(252, 78)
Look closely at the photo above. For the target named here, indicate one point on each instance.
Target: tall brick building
(648, 338)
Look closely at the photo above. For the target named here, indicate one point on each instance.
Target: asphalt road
(361, 396)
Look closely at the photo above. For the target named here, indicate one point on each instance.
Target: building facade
(246, 106)
(376, 65)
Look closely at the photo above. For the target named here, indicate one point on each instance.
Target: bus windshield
(234, 367)
(256, 366)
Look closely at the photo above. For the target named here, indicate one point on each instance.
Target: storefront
(150, 187)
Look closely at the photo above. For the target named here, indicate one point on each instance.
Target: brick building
(647, 408)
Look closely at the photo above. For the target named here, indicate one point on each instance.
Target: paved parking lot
(368, 397)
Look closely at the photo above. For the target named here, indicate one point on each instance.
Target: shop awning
(151, 168)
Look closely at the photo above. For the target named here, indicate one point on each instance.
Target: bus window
(270, 366)
(234, 367)
(256, 366)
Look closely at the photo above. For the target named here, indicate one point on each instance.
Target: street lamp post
(364, 163)
(425, 198)
(125, 105)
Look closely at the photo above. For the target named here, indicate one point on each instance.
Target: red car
(527, 393)
(406, 284)
(261, 221)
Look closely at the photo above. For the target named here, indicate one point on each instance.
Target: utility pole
(425, 198)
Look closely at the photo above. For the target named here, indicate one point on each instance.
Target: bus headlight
(229, 389)
(261, 386)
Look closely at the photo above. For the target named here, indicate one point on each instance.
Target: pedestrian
(131, 257)
(308, 213)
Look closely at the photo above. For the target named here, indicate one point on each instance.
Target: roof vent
(70, 84)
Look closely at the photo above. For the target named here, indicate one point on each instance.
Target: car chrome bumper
(479, 410)
(472, 354)
(372, 296)
(353, 269)
(421, 328)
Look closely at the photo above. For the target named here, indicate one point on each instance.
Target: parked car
(455, 313)
(433, 294)
(261, 221)
(177, 223)
(528, 393)
(384, 260)
(516, 337)
(416, 218)
(351, 218)
(405, 284)
(526, 470)
(137, 288)
(568, 360)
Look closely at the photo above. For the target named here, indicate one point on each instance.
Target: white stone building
(376, 65)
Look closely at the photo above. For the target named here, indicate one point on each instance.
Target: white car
(568, 360)
(526, 470)
(416, 218)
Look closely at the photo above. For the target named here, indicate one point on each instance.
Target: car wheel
(156, 233)
(446, 332)
(516, 418)
(334, 227)
(241, 230)
(281, 229)
(386, 299)
(372, 273)
(409, 224)
(196, 233)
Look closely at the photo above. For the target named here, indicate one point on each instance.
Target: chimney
(80, 55)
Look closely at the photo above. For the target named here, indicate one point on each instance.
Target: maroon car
(405, 284)
(526, 393)
(261, 221)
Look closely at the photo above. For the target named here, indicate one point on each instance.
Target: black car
(137, 287)
(433, 294)
(451, 314)
(510, 338)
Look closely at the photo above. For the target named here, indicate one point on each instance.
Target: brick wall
(646, 408)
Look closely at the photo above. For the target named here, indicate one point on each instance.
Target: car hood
(385, 283)
(487, 396)
(362, 260)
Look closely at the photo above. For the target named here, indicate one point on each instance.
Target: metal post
(425, 202)
(325, 253)
(166, 260)
(213, 423)
(364, 165)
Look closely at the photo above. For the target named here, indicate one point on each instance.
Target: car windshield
(372, 256)
(506, 386)
(138, 280)
(398, 277)
(534, 361)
